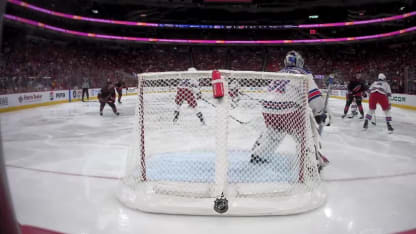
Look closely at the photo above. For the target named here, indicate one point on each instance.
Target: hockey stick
(232, 117)
(374, 120)
(251, 98)
(321, 125)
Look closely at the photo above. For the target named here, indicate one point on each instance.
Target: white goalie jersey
(277, 100)
(315, 99)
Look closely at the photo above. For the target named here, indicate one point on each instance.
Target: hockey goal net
(250, 152)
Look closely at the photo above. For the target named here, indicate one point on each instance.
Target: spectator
(85, 87)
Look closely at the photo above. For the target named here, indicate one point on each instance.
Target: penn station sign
(398, 99)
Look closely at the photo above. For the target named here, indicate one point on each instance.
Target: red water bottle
(217, 84)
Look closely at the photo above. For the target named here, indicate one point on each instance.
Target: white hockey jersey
(315, 100)
(380, 86)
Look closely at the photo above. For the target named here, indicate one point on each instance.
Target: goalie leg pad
(266, 144)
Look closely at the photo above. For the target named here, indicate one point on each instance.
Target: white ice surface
(63, 163)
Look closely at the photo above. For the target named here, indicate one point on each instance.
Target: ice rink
(64, 163)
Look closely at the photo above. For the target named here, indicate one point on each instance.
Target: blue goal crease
(199, 167)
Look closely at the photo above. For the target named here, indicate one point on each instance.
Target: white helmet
(381, 76)
(294, 59)
(192, 69)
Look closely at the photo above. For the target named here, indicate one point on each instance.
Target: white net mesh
(254, 145)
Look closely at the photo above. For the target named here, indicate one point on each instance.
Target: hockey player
(107, 95)
(119, 88)
(234, 93)
(277, 108)
(188, 90)
(356, 89)
(379, 93)
(294, 64)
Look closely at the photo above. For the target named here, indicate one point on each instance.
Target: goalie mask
(294, 59)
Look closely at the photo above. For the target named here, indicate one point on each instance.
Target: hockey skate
(353, 114)
(258, 160)
(365, 126)
(101, 113)
(343, 116)
(389, 128)
(362, 117)
(322, 162)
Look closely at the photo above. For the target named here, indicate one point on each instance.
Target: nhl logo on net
(221, 204)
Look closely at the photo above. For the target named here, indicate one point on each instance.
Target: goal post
(248, 153)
